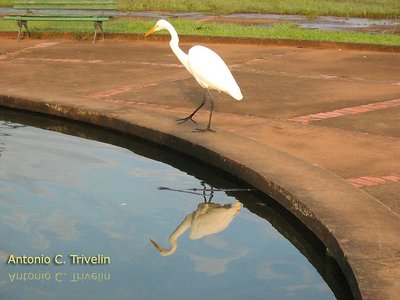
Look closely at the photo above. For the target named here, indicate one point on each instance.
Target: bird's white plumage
(211, 72)
(211, 218)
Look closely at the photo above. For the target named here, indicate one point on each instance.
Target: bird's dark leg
(190, 117)
(210, 196)
(204, 191)
(209, 119)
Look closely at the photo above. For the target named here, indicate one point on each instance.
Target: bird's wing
(211, 71)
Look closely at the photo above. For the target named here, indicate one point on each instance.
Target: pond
(83, 217)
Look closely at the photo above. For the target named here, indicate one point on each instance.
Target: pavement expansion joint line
(307, 119)
(127, 88)
(28, 49)
(365, 181)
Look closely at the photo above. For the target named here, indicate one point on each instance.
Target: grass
(6, 2)
(191, 27)
(347, 8)
(312, 8)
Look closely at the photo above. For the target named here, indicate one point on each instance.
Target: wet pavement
(317, 129)
(329, 23)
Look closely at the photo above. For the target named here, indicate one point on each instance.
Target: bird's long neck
(173, 239)
(174, 44)
(172, 249)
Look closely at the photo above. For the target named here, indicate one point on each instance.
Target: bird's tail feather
(237, 94)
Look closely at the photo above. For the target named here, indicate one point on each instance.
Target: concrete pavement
(318, 129)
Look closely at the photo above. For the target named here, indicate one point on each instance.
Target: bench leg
(22, 23)
(98, 25)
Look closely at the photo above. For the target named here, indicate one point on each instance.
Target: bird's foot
(204, 129)
(183, 120)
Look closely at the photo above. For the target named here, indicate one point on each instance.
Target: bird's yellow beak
(154, 243)
(150, 31)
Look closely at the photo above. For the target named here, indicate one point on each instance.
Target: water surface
(66, 195)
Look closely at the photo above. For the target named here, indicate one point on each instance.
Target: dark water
(64, 195)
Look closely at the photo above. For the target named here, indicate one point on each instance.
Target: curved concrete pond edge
(361, 233)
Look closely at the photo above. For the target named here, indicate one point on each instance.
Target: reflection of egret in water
(209, 218)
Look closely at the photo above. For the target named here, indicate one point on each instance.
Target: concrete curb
(366, 246)
(215, 39)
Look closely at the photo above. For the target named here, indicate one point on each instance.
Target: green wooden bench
(63, 10)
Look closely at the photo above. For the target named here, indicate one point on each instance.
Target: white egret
(206, 66)
(208, 218)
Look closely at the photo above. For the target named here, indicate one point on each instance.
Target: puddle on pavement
(66, 197)
(328, 23)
